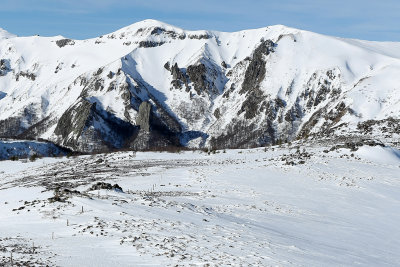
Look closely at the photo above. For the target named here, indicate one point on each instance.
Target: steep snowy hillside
(152, 85)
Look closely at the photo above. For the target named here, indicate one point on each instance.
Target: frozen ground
(296, 206)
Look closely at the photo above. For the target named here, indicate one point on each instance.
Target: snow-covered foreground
(259, 207)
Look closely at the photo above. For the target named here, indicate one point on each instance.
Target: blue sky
(372, 20)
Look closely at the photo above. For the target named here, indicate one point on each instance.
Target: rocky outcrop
(197, 75)
(26, 74)
(14, 127)
(157, 129)
(171, 34)
(179, 77)
(388, 128)
(200, 36)
(156, 31)
(295, 113)
(73, 121)
(254, 75)
(321, 86)
(256, 70)
(200, 78)
(143, 117)
(106, 186)
(39, 128)
(4, 67)
(63, 42)
(83, 127)
(240, 134)
(147, 44)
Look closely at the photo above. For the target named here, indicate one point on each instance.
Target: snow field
(241, 207)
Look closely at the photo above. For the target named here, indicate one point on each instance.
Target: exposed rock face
(85, 128)
(4, 67)
(197, 75)
(147, 44)
(74, 119)
(200, 36)
(38, 128)
(256, 70)
(25, 74)
(63, 42)
(167, 66)
(70, 128)
(200, 78)
(169, 33)
(179, 78)
(143, 117)
(157, 129)
(14, 127)
(164, 122)
(390, 127)
(294, 113)
(3, 64)
(107, 186)
(320, 86)
(250, 106)
(254, 75)
(245, 133)
(157, 31)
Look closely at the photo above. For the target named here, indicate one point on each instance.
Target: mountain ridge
(204, 88)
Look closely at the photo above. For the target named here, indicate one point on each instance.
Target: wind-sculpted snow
(291, 205)
(240, 89)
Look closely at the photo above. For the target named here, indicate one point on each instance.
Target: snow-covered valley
(294, 205)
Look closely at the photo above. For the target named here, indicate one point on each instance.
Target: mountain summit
(152, 85)
(5, 34)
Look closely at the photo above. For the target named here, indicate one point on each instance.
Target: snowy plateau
(157, 146)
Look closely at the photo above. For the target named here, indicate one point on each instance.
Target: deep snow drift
(281, 206)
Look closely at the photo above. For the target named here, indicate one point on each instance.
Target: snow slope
(289, 206)
(5, 34)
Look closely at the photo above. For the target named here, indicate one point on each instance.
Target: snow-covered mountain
(153, 85)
